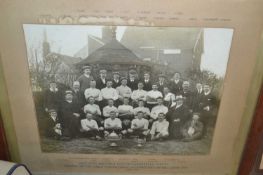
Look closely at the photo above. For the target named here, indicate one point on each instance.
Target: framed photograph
(92, 89)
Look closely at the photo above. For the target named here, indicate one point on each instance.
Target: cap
(124, 78)
(52, 110)
(103, 71)
(68, 92)
(132, 71)
(76, 83)
(86, 67)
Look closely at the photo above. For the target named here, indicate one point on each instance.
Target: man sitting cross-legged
(112, 124)
(89, 127)
(159, 129)
(139, 126)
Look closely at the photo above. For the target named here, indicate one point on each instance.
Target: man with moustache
(101, 82)
(85, 78)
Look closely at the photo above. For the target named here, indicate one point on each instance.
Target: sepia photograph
(127, 89)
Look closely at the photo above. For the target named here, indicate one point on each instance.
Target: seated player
(193, 129)
(112, 124)
(159, 130)
(107, 109)
(151, 97)
(125, 113)
(139, 126)
(89, 127)
(141, 107)
(91, 107)
(160, 108)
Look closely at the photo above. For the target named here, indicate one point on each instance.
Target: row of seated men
(158, 123)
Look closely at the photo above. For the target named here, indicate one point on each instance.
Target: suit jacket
(147, 86)
(69, 122)
(175, 88)
(188, 98)
(182, 113)
(207, 100)
(99, 84)
(133, 85)
(161, 86)
(84, 82)
(196, 100)
(115, 84)
(52, 99)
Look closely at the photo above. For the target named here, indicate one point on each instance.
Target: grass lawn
(128, 146)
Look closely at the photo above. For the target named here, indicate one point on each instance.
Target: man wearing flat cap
(177, 116)
(85, 78)
(102, 80)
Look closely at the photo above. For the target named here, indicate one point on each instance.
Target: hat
(68, 92)
(52, 110)
(186, 83)
(124, 78)
(76, 83)
(86, 67)
(103, 71)
(132, 71)
(140, 112)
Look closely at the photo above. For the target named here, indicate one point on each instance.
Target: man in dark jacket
(176, 84)
(207, 104)
(147, 83)
(177, 116)
(52, 97)
(116, 80)
(69, 114)
(85, 78)
(132, 81)
(187, 95)
(101, 82)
